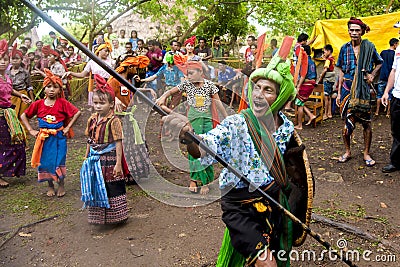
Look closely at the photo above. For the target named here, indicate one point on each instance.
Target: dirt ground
(168, 226)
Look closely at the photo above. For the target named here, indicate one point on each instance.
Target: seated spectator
(73, 58)
(228, 78)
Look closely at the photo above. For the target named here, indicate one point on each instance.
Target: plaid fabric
(347, 61)
(92, 182)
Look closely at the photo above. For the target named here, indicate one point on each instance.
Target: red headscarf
(15, 51)
(364, 27)
(103, 86)
(191, 40)
(3, 47)
(46, 50)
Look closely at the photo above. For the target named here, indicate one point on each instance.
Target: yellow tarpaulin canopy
(334, 32)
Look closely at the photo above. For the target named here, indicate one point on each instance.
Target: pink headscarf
(3, 47)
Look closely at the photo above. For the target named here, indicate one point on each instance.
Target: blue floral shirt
(232, 141)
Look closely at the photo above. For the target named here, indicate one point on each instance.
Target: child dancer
(12, 135)
(50, 151)
(201, 95)
(103, 164)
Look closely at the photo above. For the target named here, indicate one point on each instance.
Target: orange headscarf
(51, 78)
(139, 62)
(102, 46)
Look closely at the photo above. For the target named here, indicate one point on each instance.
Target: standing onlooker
(55, 118)
(248, 54)
(28, 44)
(141, 50)
(134, 40)
(39, 46)
(122, 39)
(274, 46)
(12, 137)
(305, 86)
(156, 57)
(356, 61)
(328, 78)
(21, 81)
(56, 41)
(175, 47)
(203, 51)
(117, 49)
(394, 82)
(388, 57)
(110, 35)
(218, 50)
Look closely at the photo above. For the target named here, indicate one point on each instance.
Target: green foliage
(227, 20)
(293, 17)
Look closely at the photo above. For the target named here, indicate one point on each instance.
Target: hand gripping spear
(158, 109)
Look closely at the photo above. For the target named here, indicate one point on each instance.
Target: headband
(364, 27)
(15, 51)
(191, 40)
(102, 46)
(3, 47)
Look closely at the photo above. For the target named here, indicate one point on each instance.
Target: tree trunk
(200, 20)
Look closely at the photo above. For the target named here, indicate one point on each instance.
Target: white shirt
(396, 66)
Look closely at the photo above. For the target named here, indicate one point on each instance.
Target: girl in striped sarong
(102, 177)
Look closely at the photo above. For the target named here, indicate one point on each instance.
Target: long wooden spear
(157, 108)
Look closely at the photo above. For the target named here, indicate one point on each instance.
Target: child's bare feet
(3, 184)
(60, 190)
(51, 192)
(204, 190)
(311, 120)
(297, 127)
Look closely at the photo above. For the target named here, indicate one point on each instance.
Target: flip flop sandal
(343, 159)
(369, 162)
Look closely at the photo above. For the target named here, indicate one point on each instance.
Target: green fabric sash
(17, 133)
(135, 126)
(360, 94)
(266, 147)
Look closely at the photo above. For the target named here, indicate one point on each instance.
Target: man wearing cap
(394, 81)
(356, 62)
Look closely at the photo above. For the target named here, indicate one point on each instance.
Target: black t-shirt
(205, 52)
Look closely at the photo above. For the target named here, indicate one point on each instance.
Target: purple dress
(12, 157)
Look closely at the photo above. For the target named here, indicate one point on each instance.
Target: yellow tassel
(260, 207)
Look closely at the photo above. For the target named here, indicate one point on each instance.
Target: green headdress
(277, 70)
